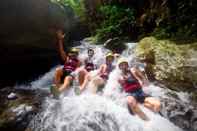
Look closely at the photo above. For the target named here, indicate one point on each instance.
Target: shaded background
(27, 38)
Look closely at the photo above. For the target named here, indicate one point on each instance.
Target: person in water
(88, 66)
(132, 81)
(101, 76)
(71, 63)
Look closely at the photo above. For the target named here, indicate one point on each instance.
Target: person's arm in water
(139, 76)
(60, 37)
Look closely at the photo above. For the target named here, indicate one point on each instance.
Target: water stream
(106, 111)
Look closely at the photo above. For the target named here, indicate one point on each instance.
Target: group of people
(131, 79)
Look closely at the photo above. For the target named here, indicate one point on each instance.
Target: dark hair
(90, 49)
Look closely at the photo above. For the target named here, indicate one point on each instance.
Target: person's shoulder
(133, 69)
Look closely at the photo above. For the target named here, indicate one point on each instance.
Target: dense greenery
(181, 23)
(116, 21)
(76, 5)
(160, 18)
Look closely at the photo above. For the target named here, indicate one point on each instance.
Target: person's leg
(68, 79)
(58, 75)
(95, 83)
(85, 82)
(152, 104)
(133, 105)
(82, 73)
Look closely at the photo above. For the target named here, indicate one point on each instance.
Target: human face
(109, 59)
(123, 66)
(90, 53)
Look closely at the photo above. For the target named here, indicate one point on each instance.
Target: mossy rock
(172, 63)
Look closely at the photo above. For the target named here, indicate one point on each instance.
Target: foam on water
(102, 112)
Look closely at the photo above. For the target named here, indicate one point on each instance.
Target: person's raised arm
(102, 69)
(139, 76)
(60, 41)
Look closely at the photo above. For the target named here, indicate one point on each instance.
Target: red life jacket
(130, 84)
(89, 65)
(71, 64)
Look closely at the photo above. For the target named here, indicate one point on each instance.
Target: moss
(171, 62)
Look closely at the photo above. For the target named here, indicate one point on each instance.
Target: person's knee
(158, 105)
(68, 78)
(87, 77)
(82, 71)
(95, 80)
(58, 70)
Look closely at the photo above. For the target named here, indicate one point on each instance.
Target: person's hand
(60, 34)
(144, 83)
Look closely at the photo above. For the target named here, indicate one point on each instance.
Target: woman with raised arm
(71, 63)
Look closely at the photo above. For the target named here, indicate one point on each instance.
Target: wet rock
(16, 114)
(12, 96)
(115, 44)
(21, 110)
(183, 114)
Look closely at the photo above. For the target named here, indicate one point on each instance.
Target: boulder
(170, 62)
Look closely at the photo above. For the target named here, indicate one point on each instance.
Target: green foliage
(76, 5)
(181, 23)
(116, 20)
(174, 32)
(160, 18)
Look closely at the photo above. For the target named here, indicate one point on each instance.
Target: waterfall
(106, 111)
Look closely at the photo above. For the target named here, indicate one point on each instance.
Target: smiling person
(88, 66)
(71, 63)
(101, 76)
(132, 81)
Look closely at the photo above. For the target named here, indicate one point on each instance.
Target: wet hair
(90, 49)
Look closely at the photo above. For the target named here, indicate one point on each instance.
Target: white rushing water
(102, 112)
